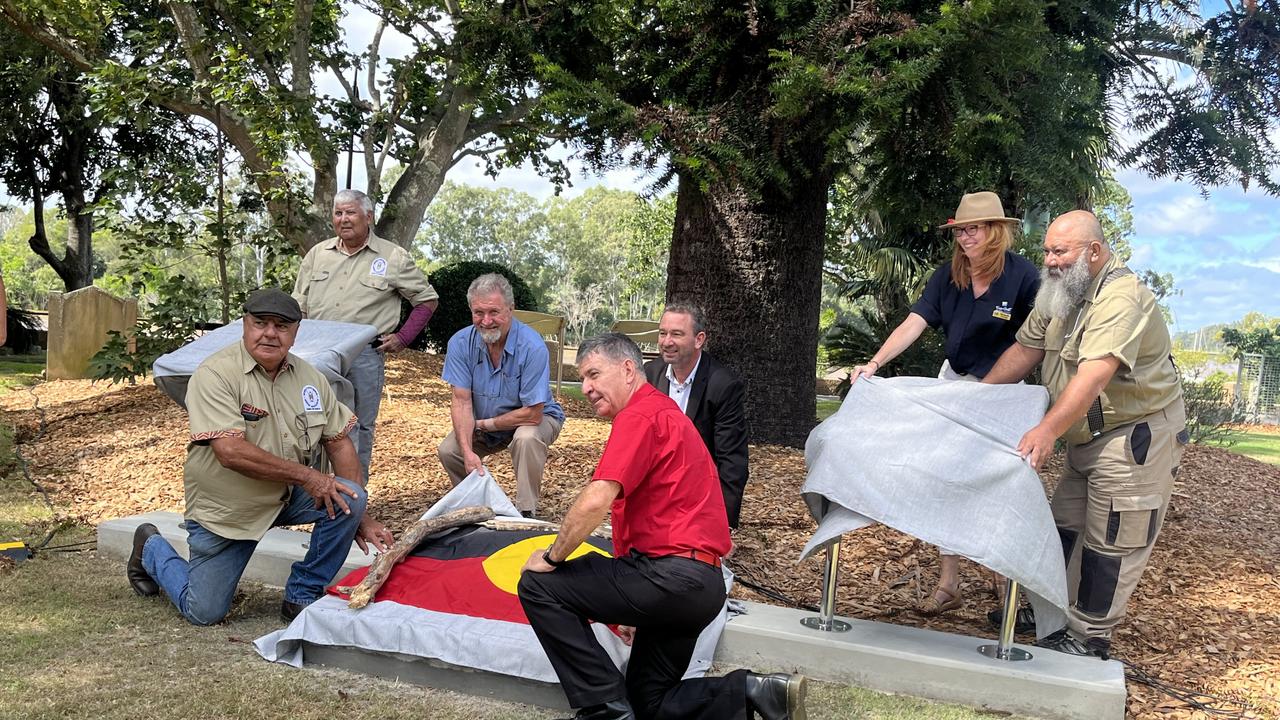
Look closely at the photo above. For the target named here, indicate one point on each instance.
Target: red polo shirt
(671, 499)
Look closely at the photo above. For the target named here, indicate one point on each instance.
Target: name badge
(1003, 311)
(311, 399)
(378, 267)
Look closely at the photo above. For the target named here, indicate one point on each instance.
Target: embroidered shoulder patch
(311, 399)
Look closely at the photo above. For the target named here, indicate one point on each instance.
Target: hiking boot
(1024, 621)
(1064, 642)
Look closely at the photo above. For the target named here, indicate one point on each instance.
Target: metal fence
(1257, 391)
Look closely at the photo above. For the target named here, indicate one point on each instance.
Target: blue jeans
(202, 588)
(367, 375)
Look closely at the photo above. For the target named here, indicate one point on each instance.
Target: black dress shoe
(290, 610)
(616, 710)
(139, 579)
(778, 696)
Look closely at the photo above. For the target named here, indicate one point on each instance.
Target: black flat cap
(273, 301)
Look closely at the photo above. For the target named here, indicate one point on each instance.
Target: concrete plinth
(270, 564)
(879, 656)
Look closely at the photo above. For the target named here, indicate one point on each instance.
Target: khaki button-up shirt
(1122, 321)
(230, 395)
(362, 288)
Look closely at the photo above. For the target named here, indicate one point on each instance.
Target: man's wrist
(546, 555)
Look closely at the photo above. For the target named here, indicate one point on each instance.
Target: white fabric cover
(496, 646)
(329, 346)
(938, 460)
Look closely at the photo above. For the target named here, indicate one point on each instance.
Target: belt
(700, 555)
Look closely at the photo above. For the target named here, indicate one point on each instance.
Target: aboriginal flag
(470, 571)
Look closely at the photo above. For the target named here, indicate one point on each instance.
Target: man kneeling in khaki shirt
(259, 417)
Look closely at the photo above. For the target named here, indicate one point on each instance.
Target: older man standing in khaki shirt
(358, 277)
(1117, 402)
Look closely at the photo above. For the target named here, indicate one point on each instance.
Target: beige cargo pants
(528, 457)
(1109, 507)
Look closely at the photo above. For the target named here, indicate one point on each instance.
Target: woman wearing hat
(978, 300)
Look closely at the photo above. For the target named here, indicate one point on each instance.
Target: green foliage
(594, 258)
(1257, 340)
(182, 308)
(454, 313)
(1210, 411)
(852, 342)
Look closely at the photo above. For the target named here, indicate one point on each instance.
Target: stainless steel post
(1004, 649)
(827, 620)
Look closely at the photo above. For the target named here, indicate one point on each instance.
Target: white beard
(1062, 292)
(490, 337)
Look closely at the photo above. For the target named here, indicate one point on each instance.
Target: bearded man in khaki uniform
(259, 418)
(1117, 402)
(358, 277)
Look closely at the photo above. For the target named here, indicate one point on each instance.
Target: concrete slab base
(878, 656)
(271, 562)
(436, 674)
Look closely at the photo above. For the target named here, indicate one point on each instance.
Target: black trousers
(668, 600)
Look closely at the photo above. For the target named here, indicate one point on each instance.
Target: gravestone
(78, 325)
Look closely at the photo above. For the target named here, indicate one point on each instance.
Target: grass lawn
(77, 643)
(19, 370)
(1257, 445)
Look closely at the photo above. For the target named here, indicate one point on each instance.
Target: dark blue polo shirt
(979, 330)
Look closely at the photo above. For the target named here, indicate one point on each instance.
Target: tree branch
(300, 50)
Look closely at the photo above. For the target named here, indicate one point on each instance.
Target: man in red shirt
(664, 584)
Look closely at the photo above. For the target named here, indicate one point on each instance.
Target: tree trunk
(754, 263)
(424, 173)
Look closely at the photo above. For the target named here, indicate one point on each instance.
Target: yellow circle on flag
(503, 566)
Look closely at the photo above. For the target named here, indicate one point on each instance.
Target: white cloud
(1186, 216)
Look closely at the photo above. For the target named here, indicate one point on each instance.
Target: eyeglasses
(966, 230)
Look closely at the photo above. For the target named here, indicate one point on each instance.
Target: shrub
(1210, 411)
(453, 314)
(180, 311)
(853, 342)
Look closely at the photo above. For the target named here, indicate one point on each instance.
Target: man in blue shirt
(501, 381)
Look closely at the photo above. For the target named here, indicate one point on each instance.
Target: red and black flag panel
(472, 571)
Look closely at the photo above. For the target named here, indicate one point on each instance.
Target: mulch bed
(1206, 616)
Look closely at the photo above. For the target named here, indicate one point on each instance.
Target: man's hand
(472, 462)
(390, 343)
(537, 563)
(372, 532)
(1037, 445)
(328, 492)
(627, 633)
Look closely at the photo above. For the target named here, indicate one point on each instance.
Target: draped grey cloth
(329, 346)
(938, 460)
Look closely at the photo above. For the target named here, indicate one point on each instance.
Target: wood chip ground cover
(1205, 617)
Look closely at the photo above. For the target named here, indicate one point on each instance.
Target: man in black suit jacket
(712, 398)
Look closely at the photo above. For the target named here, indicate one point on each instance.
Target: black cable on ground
(749, 581)
(25, 466)
(1211, 705)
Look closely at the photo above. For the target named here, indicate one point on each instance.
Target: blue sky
(1223, 249)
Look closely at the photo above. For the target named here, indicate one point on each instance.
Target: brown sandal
(931, 605)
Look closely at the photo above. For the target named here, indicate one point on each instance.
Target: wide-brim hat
(273, 301)
(979, 207)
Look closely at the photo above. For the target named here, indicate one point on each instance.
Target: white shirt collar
(679, 391)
